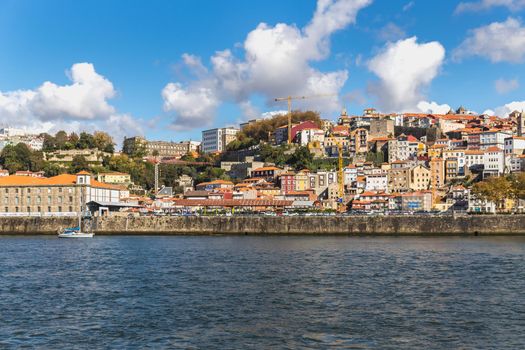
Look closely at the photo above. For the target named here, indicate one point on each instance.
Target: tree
(253, 133)
(85, 141)
(61, 138)
(79, 163)
(20, 157)
(494, 189)
(103, 141)
(49, 143)
(301, 159)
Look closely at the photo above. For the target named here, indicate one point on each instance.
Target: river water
(262, 292)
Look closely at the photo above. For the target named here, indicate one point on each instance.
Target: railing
(38, 214)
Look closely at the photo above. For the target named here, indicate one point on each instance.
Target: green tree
(79, 163)
(301, 159)
(85, 141)
(61, 138)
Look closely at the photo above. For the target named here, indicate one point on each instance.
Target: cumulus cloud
(433, 107)
(512, 5)
(498, 41)
(405, 68)
(81, 105)
(505, 110)
(276, 61)
(504, 86)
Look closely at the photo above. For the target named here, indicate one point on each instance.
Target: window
(38, 200)
(28, 209)
(28, 190)
(39, 209)
(59, 199)
(28, 202)
(6, 209)
(70, 208)
(49, 209)
(59, 209)
(48, 199)
(7, 190)
(70, 199)
(6, 200)
(16, 200)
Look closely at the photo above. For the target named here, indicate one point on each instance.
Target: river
(262, 292)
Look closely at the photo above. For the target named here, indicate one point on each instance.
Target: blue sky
(152, 67)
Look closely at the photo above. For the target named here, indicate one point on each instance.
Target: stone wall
(354, 225)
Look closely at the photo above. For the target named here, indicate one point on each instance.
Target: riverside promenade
(292, 225)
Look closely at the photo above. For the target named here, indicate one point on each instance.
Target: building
(64, 157)
(160, 148)
(216, 140)
(58, 195)
(399, 177)
(269, 173)
(419, 178)
(493, 138)
(215, 184)
(493, 162)
(514, 145)
(376, 182)
(437, 173)
(115, 178)
(287, 182)
(381, 127)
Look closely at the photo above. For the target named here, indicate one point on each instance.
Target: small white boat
(75, 232)
(70, 233)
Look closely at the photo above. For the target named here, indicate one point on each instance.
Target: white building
(494, 138)
(377, 182)
(216, 140)
(311, 135)
(493, 162)
(514, 145)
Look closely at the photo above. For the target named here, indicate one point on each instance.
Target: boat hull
(76, 235)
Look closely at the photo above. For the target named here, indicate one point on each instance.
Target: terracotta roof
(493, 149)
(232, 203)
(267, 168)
(59, 180)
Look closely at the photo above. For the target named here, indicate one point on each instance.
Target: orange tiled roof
(59, 180)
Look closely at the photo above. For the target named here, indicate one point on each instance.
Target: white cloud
(505, 110)
(81, 105)
(433, 107)
(405, 69)
(498, 41)
(504, 86)
(512, 5)
(391, 32)
(276, 62)
(194, 105)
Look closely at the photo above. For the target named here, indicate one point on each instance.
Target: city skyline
(159, 71)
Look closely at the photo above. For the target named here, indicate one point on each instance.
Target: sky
(169, 69)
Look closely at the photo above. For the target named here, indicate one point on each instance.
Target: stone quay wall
(292, 225)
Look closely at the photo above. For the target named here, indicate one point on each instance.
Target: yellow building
(420, 178)
(301, 181)
(114, 178)
(436, 151)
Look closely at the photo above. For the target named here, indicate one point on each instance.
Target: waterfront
(262, 292)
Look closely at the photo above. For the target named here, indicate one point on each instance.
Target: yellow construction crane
(289, 100)
(340, 175)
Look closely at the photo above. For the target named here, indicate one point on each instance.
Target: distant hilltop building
(161, 148)
(216, 140)
(12, 136)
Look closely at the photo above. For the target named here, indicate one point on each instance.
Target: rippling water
(262, 292)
